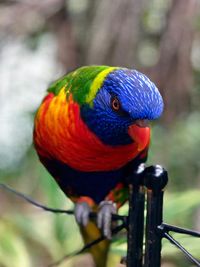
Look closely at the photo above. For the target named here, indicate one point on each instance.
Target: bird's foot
(104, 217)
(82, 210)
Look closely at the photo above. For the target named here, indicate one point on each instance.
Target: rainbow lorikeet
(90, 133)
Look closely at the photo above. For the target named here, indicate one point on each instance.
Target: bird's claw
(104, 217)
(82, 211)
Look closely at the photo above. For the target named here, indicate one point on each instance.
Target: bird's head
(121, 108)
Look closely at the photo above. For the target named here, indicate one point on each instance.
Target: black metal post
(166, 228)
(155, 180)
(136, 219)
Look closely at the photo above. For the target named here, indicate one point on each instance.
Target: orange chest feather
(61, 134)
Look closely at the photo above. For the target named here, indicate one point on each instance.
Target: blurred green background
(42, 40)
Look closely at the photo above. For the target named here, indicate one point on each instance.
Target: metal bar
(153, 240)
(155, 180)
(178, 245)
(136, 220)
(171, 228)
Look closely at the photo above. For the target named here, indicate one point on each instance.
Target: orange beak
(140, 134)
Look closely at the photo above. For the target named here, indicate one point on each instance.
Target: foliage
(177, 149)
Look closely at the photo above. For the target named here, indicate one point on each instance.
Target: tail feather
(99, 251)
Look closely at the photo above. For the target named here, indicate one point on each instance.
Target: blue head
(125, 97)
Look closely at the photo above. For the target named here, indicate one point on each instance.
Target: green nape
(73, 81)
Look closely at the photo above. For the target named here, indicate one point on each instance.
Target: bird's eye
(115, 104)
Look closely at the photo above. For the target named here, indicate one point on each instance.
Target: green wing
(73, 81)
